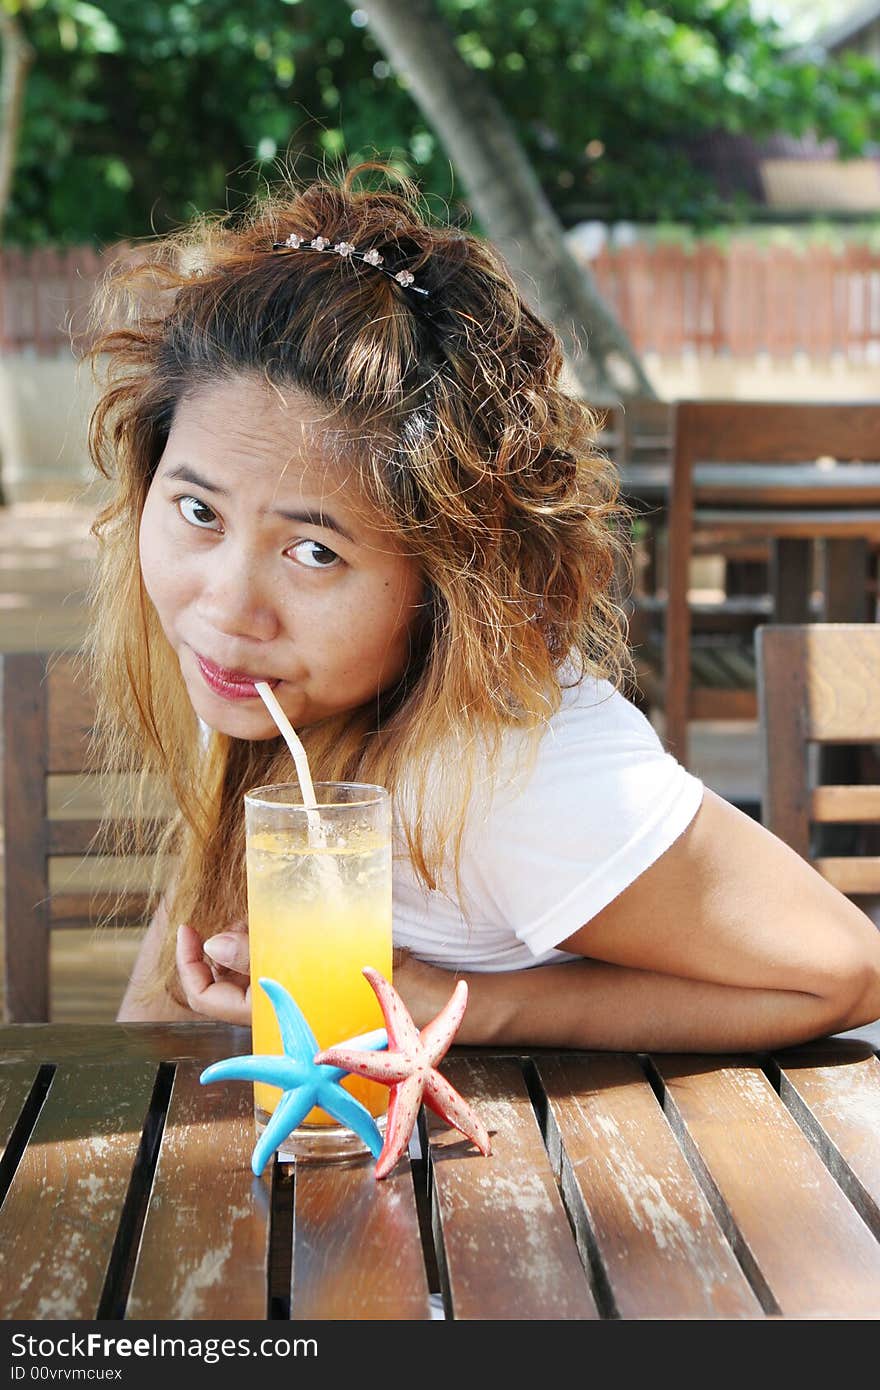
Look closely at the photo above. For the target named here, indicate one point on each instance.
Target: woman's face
(263, 563)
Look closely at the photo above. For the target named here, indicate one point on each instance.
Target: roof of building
(844, 30)
(786, 171)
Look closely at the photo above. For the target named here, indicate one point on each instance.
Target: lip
(231, 685)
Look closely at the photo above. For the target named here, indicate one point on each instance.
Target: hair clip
(295, 242)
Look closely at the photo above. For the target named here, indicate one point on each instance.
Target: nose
(236, 598)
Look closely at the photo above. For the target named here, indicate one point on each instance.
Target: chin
(248, 734)
(250, 720)
(252, 725)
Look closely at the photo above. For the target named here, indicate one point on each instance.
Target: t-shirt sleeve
(556, 843)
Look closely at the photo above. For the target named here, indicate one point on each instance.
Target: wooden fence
(740, 301)
(746, 300)
(45, 296)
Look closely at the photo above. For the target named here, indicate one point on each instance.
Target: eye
(198, 513)
(314, 555)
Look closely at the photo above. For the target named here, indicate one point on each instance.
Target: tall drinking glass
(319, 910)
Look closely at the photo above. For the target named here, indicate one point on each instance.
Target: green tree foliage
(139, 112)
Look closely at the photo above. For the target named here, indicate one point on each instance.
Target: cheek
(149, 549)
(396, 617)
(159, 573)
(363, 638)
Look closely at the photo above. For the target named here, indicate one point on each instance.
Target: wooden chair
(48, 563)
(646, 431)
(637, 436)
(646, 452)
(726, 488)
(53, 879)
(638, 431)
(819, 685)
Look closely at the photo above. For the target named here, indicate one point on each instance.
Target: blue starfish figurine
(304, 1084)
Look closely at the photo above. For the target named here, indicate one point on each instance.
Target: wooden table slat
(111, 1042)
(837, 1104)
(59, 1221)
(672, 1187)
(16, 1083)
(198, 1259)
(504, 1237)
(779, 484)
(797, 523)
(795, 1228)
(357, 1249)
(637, 1206)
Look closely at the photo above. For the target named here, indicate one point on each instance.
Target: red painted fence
(45, 296)
(744, 300)
(739, 301)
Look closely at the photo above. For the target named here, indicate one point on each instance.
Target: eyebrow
(310, 516)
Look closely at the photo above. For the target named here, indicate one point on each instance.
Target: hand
(215, 977)
(219, 987)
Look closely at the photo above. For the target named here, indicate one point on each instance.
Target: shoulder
(145, 1000)
(593, 705)
(596, 742)
(560, 829)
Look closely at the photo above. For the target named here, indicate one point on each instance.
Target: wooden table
(790, 505)
(759, 484)
(620, 1186)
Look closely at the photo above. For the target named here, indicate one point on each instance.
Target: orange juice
(317, 914)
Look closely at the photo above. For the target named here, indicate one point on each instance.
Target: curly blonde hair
(481, 464)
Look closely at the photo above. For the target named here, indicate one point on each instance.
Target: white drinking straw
(285, 728)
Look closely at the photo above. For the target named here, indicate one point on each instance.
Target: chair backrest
(711, 488)
(637, 431)
(709, 434)
(609, 430)
(721, 431)
(647, 430)
(52, 813)
(818, 684)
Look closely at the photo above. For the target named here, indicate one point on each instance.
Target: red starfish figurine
(408, 1068)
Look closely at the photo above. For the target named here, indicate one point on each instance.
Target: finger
(221, 1000)
(231, 950)
(195, 974)
(227, 1001)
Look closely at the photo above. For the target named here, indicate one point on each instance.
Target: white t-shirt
(554, 844)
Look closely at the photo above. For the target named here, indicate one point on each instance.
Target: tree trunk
(506, 195)
(17, 58)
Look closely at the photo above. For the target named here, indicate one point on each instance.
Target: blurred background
(711, 166)
(689, 190)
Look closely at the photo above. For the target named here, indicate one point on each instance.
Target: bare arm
(212, 991)
(730, 941)
(139, 1007)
